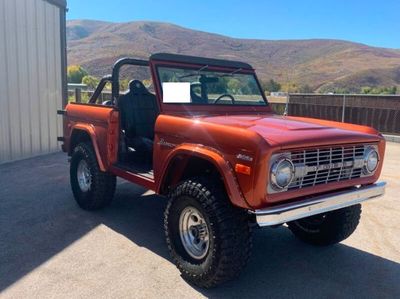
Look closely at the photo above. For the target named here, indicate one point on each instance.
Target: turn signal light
(240, 168)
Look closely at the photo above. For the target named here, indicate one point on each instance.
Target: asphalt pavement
(50, 248)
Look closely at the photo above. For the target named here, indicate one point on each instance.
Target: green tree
(108, 86)
(233, 86)
(290, 87)
(90, 81)
(271, 86)
(148, 83)
(75, 74)
(366, 89)
(124, 84)
(391, 90)
(341, 90)
(379, 90)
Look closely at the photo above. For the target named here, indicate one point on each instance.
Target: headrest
(135, 86)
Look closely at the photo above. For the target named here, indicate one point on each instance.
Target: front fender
(217, 159)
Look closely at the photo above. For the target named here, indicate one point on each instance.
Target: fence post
(286, 112)
(344, 107)
(78, 95)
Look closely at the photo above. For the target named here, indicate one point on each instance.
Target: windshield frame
(196, 67)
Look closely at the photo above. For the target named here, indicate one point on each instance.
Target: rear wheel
(208, 238)
(92, 188)
(327, 228)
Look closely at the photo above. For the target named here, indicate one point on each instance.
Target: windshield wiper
(231, 74)
(197, 73)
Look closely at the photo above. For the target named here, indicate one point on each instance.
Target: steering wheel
(225, 95)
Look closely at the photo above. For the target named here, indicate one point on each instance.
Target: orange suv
(208, 140)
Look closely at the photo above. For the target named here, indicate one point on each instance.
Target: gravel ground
(51, 248)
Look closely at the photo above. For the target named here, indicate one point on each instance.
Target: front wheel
(327, 228)
(208, 238)
(92, 188)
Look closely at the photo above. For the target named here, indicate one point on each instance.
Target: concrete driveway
(51, 248)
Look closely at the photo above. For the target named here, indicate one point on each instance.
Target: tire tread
(234, 232)
(339, 225)
(103, 183)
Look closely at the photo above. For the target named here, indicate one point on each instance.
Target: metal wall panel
(30, 78)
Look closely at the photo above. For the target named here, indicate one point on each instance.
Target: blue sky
(375, 23)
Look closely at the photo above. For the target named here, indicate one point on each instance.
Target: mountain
(371, 78)
(317, 62)
(79, 29)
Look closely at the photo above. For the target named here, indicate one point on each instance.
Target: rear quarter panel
(100, 123)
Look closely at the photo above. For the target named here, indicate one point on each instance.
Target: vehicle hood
(291, 132)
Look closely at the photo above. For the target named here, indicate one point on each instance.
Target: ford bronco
(207, 139)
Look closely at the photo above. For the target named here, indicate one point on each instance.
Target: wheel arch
(86, 134)
(190, 161)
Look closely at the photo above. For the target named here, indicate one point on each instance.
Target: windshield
(205, 87)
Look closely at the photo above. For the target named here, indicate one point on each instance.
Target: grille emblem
(329, 166)
(244, 157)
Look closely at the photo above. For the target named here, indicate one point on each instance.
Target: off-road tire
(102, 186)
(335, 227)
(230, 233)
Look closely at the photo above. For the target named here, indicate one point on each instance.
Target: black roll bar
(99, 88)
(115, 74)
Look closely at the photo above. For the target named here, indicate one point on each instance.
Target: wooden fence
(379, 111)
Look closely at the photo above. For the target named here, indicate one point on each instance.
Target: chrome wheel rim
(194, 233)
(84, 177)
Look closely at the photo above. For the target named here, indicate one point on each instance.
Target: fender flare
(218, 160)
(89, 129)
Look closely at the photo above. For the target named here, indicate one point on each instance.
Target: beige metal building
(32, 76)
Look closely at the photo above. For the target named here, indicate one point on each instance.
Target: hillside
(96, 45)
(371, 78)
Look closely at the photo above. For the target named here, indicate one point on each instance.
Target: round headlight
(282, 173)
(371, 159)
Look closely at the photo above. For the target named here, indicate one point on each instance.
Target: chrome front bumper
(317, 205)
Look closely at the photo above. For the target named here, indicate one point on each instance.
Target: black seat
(195, 98)
(139, 111)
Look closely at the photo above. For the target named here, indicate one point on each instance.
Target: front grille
(325, 165)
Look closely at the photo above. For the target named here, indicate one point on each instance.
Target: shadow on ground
(38, 219)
